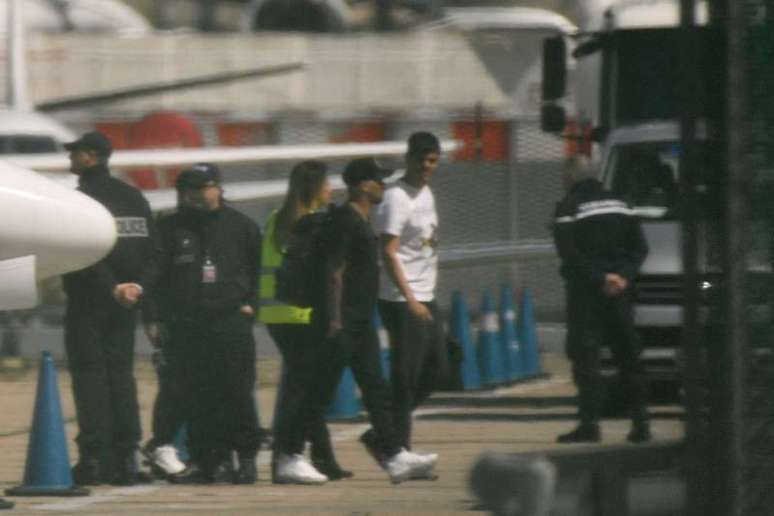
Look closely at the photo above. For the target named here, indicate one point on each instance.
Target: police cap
(198, 176)
(93, 140)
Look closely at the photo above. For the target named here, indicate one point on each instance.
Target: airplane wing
(82, 101)
(128, 159)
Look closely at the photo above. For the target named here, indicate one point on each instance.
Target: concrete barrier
(612, 480)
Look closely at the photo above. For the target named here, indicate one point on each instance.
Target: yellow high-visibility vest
(271, 310)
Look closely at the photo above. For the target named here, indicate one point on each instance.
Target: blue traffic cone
(490, 360)
(508, 337)
(527, 332)
(47, 471)
(384, 345)
(345, 405)
(460, 329)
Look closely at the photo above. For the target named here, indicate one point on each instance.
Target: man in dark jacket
(206, 298)
(601, 246)
(100, 322)
(345, 318)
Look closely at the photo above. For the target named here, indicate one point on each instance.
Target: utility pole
(206, 17)
(695, 424)
(384, 20)
(161, 14)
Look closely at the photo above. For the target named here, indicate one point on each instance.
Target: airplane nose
(89, 236)
(64, 229)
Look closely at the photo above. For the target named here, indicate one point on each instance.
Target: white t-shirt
(409, 213)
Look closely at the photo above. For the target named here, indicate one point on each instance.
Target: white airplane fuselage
(64, 229)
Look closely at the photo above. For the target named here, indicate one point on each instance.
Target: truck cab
(624, 83)
(641, 164)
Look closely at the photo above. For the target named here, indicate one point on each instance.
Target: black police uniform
(209, 269)
(99, 333)
(597, 233)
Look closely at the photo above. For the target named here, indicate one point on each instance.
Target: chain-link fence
(501, 187)
(504, 192)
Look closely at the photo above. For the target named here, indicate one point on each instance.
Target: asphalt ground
(459, 426)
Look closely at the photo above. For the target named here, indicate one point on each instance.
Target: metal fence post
(728, 417)
(695, 428)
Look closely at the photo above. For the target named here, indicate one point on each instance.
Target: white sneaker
(294, 469)
(427, 473)
(405, 464)
(165, 457)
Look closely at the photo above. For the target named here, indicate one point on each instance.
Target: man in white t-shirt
(407, 224)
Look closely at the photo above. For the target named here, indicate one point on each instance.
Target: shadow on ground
(505, 401)
(532, 418)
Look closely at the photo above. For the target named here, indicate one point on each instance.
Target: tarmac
(459, 426)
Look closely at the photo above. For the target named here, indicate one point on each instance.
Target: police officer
(206, 297)
(169, 407)
(601, 246)
(100, 322)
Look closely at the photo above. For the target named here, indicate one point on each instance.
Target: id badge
(209, 272)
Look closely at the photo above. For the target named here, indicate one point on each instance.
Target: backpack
(300, 278)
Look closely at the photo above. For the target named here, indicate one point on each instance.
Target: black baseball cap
(198, 176)
(93, 140)
(364, 169)
(422, 143)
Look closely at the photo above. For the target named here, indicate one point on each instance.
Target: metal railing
(477, 254)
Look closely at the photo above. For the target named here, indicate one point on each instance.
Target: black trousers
(357, 346)
(217, 360)
(418, 359)
(300, 346)
(169, 407)
(594, 320)
(99, 342)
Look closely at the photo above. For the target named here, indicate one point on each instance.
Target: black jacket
(188, 237)
(595, 233)
(132, 259)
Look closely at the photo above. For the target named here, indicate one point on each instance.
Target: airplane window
(27, 144)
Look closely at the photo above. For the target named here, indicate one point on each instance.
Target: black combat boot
(583, 433)
(124, 470)
(220, 467)
(331, 469)
(88, 471)
(248, 471)
(640, 432)
(324, 461)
